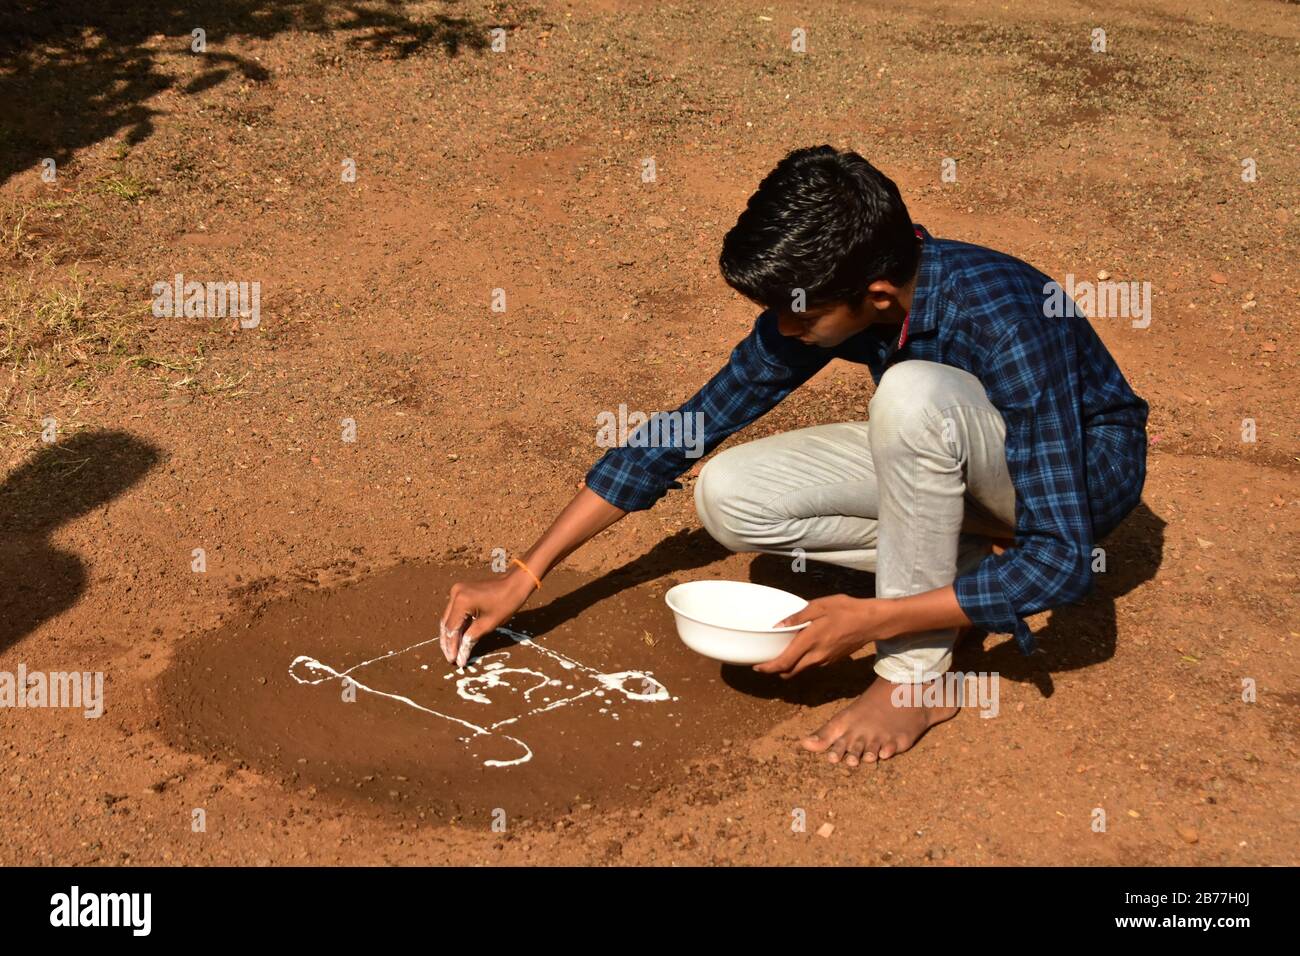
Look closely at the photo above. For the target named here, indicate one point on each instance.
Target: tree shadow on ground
(62, 481)
(77, 72)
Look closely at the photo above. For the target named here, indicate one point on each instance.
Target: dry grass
(126, 186)
(54, 327)
(14, 234)
(59, 327)
(53, 337)
(59, 339)
(51, 231)
(166, 370)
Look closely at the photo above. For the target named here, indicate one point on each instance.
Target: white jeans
(913, 494)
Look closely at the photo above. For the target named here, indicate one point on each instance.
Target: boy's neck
(906, 293)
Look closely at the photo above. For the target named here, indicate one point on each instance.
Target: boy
(992, 418)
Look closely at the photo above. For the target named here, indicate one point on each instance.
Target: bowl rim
(725, 627)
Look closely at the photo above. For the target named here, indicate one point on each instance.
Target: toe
(816, 743)
(895, 746)
(853, 753)
(829, 733)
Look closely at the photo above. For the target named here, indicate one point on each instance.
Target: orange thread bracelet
(536, 579)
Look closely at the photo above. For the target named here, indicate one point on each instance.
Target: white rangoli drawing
(489, 672)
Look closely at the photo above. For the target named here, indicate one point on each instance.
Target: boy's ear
(883, 289)
(882, 293)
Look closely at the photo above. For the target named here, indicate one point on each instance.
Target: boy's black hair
(824, 221)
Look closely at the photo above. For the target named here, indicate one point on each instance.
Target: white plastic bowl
(731, 621)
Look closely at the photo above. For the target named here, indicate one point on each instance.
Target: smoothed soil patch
(606, 704)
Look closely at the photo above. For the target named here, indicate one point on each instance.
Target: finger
(480, 625)
(453, 599)
(808, 660)
(447, 637)
(456, 634)
(467, 643)
(471, 637)
(443, 638)
(442, 633)
(445, 629)
(812, 610)
(804, 643)
(454, 638)
(788, 658)
(799, 617)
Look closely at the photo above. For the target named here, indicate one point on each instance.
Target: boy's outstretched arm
(477, 608)
(763, 369)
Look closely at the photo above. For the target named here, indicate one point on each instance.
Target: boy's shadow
(682, 551)
(58, 483)
(1076, 636)
(1083, 634)
(818, 685)
(688, 551)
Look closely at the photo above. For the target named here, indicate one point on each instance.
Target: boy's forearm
(582, 519)
(930, 611)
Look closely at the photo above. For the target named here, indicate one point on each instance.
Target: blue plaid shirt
(1076, 433)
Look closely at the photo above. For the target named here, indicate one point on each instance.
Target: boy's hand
(478, 608)
(839, 626)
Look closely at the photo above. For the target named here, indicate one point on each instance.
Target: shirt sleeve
(764, 368)
(1032, 382)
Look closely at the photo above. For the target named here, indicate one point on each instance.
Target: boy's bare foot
(874, 727)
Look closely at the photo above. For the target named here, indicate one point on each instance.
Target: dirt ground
(522, 170)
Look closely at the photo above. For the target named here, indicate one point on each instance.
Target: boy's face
(824, 325)
(827, 326)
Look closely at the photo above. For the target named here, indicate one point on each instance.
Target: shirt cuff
(625, 484)
(981, 595)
